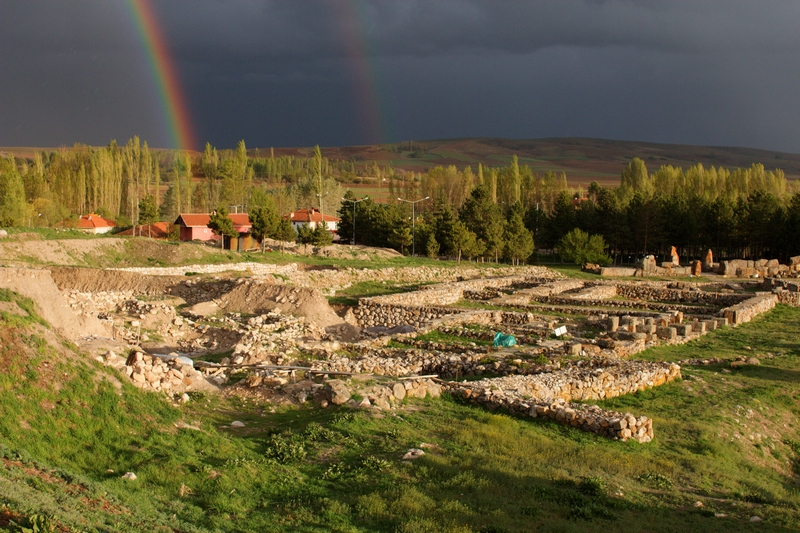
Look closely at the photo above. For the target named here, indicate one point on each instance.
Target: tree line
(491, 213)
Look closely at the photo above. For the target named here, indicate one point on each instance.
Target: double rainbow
(173, 102)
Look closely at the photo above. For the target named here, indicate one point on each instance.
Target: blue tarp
(501, 339)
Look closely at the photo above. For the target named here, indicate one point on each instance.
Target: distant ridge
(583, 159)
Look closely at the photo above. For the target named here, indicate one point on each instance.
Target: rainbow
(365, 72)
(165, 75)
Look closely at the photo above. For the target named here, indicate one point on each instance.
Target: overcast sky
(298, 73)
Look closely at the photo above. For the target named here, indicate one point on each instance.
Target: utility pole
(413, 203)
(354, 214)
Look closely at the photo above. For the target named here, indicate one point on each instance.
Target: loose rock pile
(370, 313)
(154, 373)
(275, 338)
(336, 391)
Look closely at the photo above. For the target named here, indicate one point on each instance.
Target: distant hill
(584, 160)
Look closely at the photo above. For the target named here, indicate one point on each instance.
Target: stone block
(683, 329)
(711, 325)
(699, 327)
(613, 323)
(646, 328)
(667, 333)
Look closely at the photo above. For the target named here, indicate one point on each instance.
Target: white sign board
(560, 331)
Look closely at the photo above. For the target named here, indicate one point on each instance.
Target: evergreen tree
(148, 212)
(222, 225)
(285, 232)
(464, 241)
(264, 222)
(322, 236)
(432, 247)
(562, 219)
(495, 238)
(485, 219)
(519, 241)
(401, 238)
(305, 235)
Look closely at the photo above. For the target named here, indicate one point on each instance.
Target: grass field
(726, 438)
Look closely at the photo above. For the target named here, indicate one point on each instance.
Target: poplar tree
(209, 163)
(13, 208)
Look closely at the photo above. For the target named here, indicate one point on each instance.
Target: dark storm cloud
(288, 72)
(303, 29)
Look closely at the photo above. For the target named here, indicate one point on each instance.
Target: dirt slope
(38, 285)
(98, 280)
(31, 248)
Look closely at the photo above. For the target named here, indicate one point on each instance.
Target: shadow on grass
(768, 373)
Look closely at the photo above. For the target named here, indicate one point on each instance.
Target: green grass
(364, 289)
(64, 424)
(16, 319)
(53, 234)
(438, 336)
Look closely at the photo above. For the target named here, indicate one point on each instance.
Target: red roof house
(194, 226)
(158, 230)
(311, 217)
(94, 223)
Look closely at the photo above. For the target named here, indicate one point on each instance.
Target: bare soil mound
(97, 280)
(38, 285)
(261, 297)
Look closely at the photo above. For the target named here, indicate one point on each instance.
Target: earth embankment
(39, 286)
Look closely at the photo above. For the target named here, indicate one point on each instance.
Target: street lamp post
(413, 250)
(354, 214)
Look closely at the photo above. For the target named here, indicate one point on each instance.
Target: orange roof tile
(95, 221)
(309, 215)
(193, 220)
(159, 230)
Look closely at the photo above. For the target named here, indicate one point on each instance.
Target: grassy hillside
(69, 428)
(584, 160)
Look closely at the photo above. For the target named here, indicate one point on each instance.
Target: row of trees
(746, 213)
(113, 180)
(479, 229)
(472, 212)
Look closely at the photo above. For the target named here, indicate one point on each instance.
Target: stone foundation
(749, 309)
